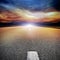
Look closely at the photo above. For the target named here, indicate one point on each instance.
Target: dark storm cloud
(4, 1)
(33, 4)
(56, 4)
(30, 4)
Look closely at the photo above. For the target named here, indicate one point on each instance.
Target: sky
(28, 4)
(33, 4)
(30, 10)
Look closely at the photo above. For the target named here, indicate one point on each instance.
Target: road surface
(15, 42)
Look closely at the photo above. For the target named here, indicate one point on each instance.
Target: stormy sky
(33, 4)
(30, 10)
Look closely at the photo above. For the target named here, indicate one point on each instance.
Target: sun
(29, 26)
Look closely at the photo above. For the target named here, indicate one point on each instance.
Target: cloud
(29, 16)
(26, 10)
(28, 4)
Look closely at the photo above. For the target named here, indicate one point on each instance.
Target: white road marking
(32, 55)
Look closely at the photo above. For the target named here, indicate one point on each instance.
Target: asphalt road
(15, 42)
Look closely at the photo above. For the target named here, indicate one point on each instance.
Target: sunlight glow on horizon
(29, 27)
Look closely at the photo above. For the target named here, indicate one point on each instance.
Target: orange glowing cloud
(29, 16)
